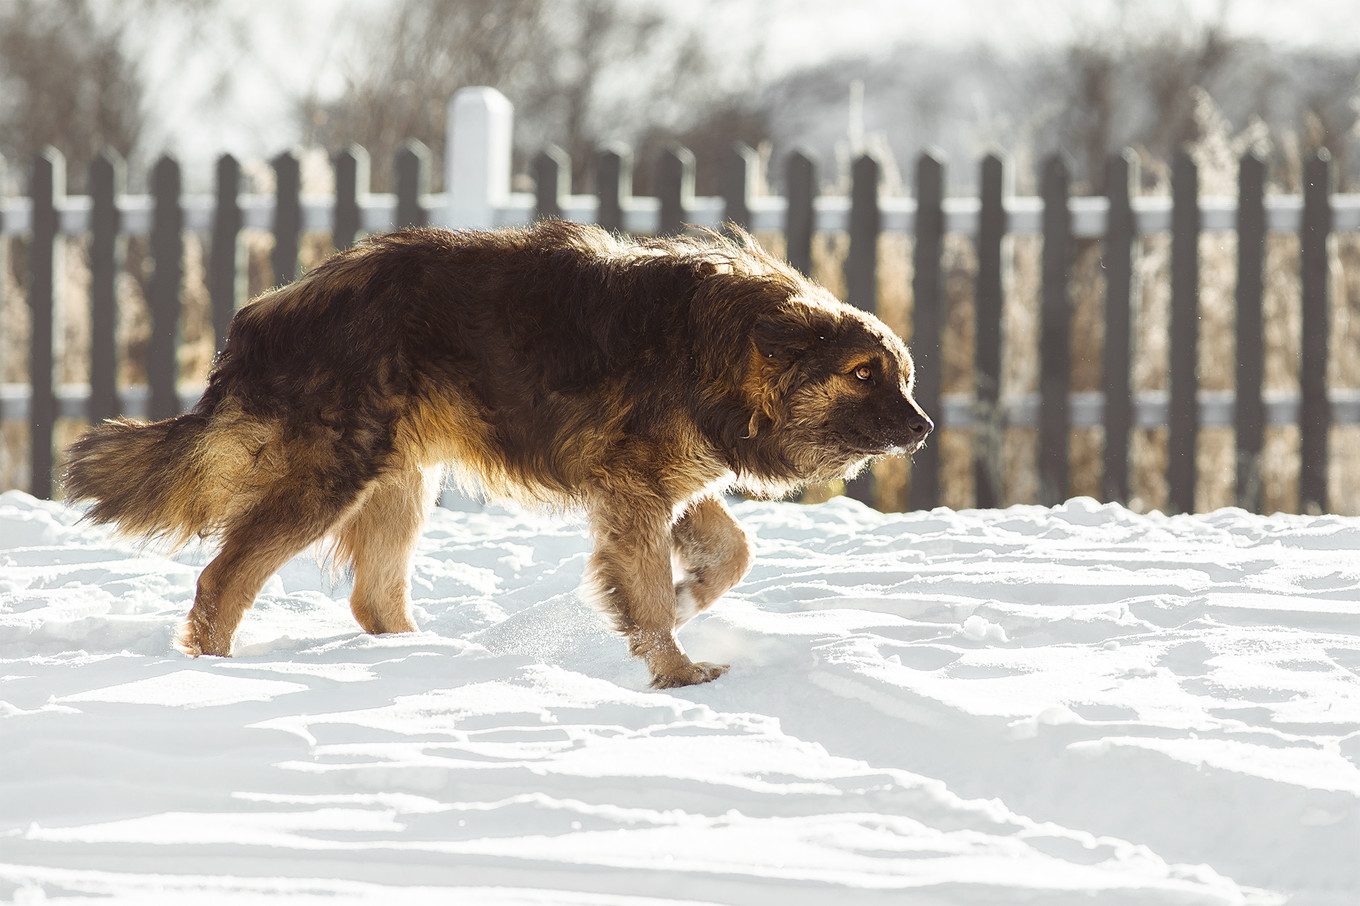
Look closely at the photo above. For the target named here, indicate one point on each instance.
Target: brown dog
(559, 365)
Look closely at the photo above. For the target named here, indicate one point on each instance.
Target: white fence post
(477, 157)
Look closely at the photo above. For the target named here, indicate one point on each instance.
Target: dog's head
(797, 385)
(834, 385)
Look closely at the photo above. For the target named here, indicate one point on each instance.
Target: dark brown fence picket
(928, 316)
(738, 178)
(1315, 414)
(800, 176)
(46, 189)
(351, 184)
(287, 218)
(1249, 418)
(1117, 256)
(674, 189)
(4, 269)
(551, 170)
(861, 265)
(226, 277)
(167, 251)
(412, 166)
(613, 185)
(1055, 344)
(866, 223)
(1184, 417)
(988, 417)
(106, 184)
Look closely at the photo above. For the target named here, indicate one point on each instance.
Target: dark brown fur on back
(559, 365)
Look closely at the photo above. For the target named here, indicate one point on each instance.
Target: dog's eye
(863, 373)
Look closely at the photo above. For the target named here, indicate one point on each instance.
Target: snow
(1069, 705)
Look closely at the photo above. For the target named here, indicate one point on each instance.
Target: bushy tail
(147, 478)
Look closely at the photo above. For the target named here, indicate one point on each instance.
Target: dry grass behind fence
(1019, 352)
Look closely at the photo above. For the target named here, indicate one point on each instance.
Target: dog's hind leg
(292, 514)
(379, 540)
(713, 551)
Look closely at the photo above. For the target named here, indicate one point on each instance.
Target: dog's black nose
(919, 425)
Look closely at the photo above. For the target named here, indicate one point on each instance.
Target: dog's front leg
(714, 552)
(630, 578)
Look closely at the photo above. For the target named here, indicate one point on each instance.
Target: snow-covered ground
(1051, 706)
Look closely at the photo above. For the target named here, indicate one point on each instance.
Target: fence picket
(351, 184)
(167, 250)
(226, 277)
(1314, 408)
(861, 266)
(1055, 345)
(4, 269)
(675, 189)
(800, 176)
(551, 170)
(412, 166)
(1249, 373)
(988, 421)
(928, 316)
(47, 187)
(4, 284)
(866, 224)
(613, 185)
(1121, 237)
(1184, 417)
(106, 184)
(738, 176)
(287, 217)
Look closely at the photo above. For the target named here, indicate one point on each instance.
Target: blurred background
(197, 78)
(840, 78)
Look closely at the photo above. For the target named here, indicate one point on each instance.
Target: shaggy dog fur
(637, 380)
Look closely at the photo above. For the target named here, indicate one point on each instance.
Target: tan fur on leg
(228, 585)
(630, 570)
(293, 512)
(714, 552)
(378, 542)
(226, 589)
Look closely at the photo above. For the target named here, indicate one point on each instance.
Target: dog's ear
(788, 332)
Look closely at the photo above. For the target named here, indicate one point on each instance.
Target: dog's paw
(186, 642)
(691, 675)
(194, 641)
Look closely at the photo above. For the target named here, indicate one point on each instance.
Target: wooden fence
(478, 195)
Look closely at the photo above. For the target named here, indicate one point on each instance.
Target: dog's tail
(148, 478)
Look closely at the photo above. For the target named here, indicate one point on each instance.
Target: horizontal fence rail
(478, 175)
(831, 214)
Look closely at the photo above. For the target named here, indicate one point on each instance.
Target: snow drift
(1067, 705)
